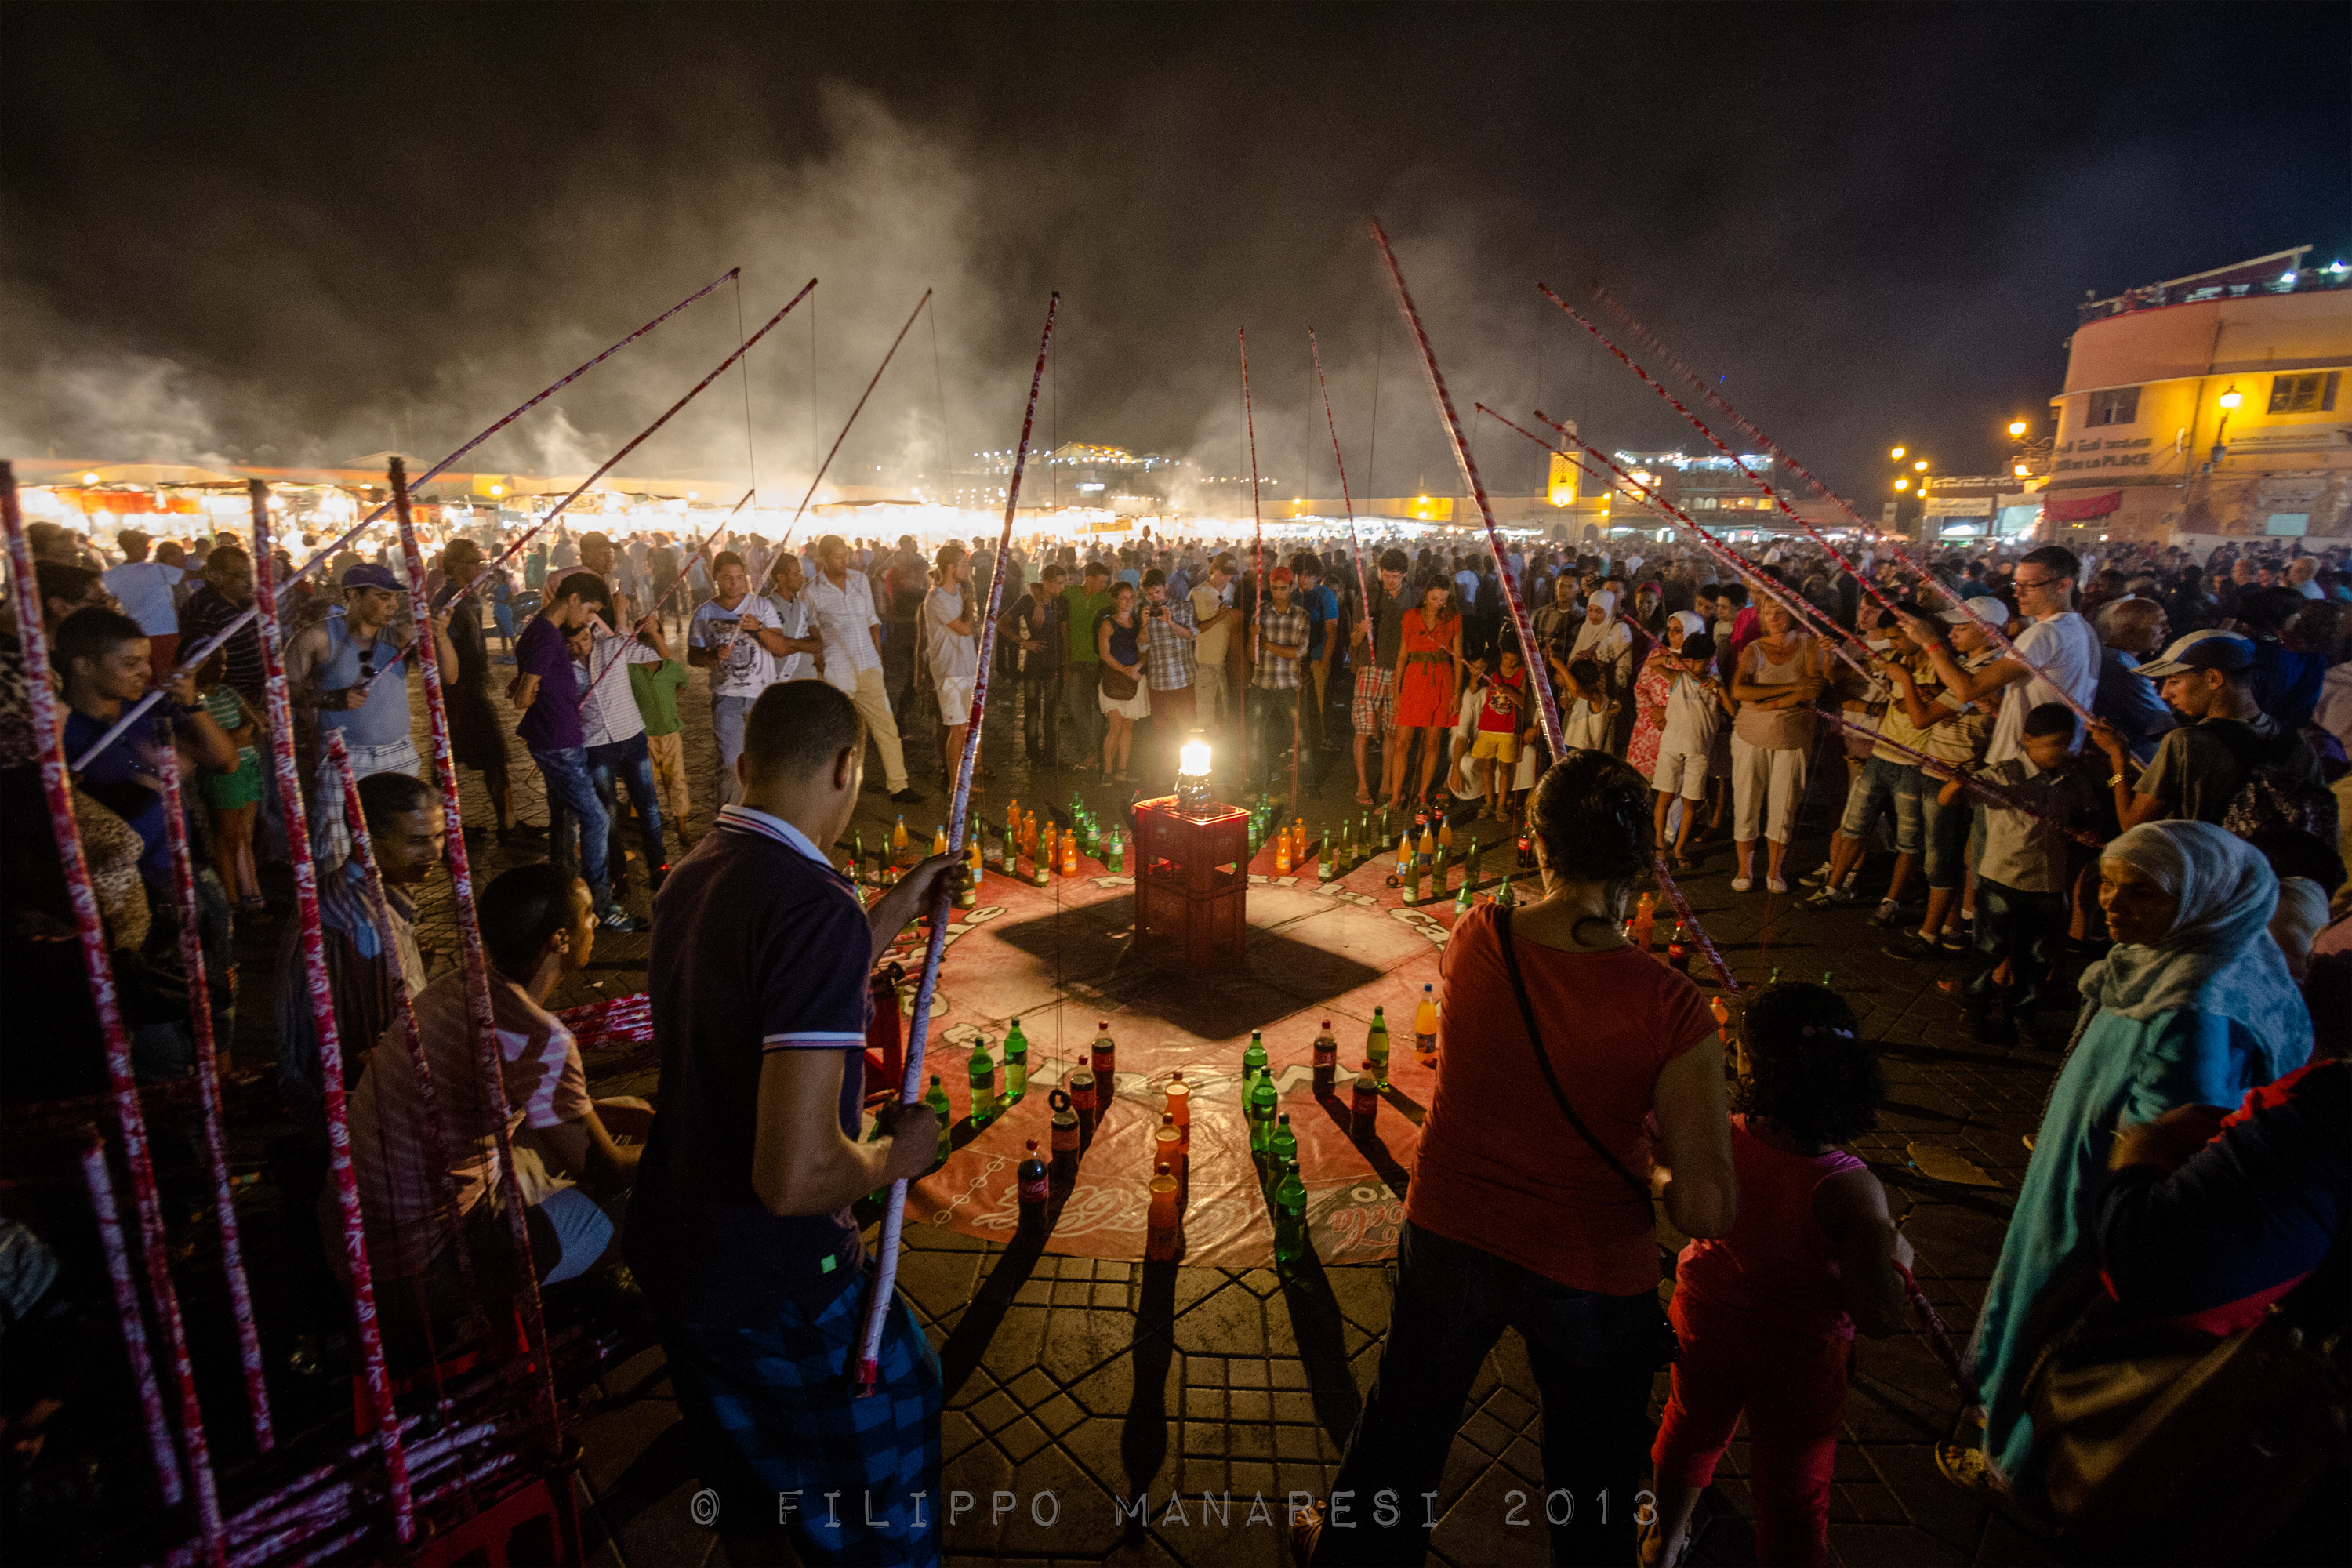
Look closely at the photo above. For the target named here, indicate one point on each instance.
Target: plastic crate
(1194, 854)
(1197, 930)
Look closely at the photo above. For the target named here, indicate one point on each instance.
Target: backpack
(2275, 795)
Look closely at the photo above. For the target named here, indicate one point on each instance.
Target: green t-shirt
(655, 688)
(1084, 608)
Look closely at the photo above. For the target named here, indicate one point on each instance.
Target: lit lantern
(1192, 773)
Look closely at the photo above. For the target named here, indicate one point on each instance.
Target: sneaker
(1741, 884)
(616, 918)
(1827, 899)
(1817, 876)
(1953, 940)
(910, 796)
(1775, 885)
(1910, 948)
(1889, 915)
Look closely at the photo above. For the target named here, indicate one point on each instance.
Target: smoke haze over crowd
(297, 234)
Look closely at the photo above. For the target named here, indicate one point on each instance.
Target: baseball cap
(368, 575)
(2208, 649)
(1986, 606)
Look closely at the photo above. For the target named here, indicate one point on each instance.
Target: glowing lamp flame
(1192, 759)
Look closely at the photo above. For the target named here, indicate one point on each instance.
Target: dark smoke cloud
(299, 235)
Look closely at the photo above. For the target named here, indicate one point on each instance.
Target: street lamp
(2017, 427)
(1896, 455)
(1903, 484)
(2231, 398)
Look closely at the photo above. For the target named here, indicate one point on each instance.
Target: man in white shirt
(1214, 619)
(737, 637)
(612, 731)
(788, 597)
(841, 603)
(145, 590)
(2061, 652)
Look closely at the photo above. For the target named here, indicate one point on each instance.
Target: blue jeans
(571, 798)
(1945, 829)
(727, 716)
(1593, 1359)
(629, 762)
(1893, 786)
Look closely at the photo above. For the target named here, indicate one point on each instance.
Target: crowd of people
(2181, 849)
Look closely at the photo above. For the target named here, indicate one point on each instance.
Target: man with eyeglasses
(2061, 653)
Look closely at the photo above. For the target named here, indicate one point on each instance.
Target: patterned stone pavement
(1097, 1381)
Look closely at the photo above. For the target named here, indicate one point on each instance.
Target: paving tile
(1231, 1322)
(1058, 1415)
(1250, 1404)
(996, 1412)
(1511, 1407)
(1032, 1388)
(1083, 1522)
(1486, 1525)
(1252, 1373)
(969, 1481)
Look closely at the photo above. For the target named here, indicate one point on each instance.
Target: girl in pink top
(1766, 1314)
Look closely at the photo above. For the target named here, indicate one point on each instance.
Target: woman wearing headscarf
(1605, 639)
(1650, 690)
(2193, 1006)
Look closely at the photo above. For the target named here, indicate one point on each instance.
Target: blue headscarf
(2219, 957)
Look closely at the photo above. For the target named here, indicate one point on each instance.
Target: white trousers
(874, 707)
(1768, 780)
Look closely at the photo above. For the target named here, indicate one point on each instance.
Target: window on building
(2311, 394)
(2119, 405)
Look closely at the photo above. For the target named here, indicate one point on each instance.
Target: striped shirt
(608, 706)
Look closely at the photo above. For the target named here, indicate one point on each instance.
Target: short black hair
(58, 581)
(2061, 561)
(587, 584)
(519, 912)
(383, 797)
(1809, 1071)
(2049, 718)
(796, 727)
(1095, 569)
(1395, 560)
(1154, 578)
(1698, 646)
(93, 632)
(1734, 593)
(723, 560)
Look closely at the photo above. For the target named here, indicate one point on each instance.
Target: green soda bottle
(1289, 1215)
(1017, 1063)
(1254, 1061)
(983, 1084)
(1261, 1103)
(1773, 978)
(1376, 1046)
(938, 1100)
(1283, 1143)
(1826, 981)
(858, 856)
(1503, 895)
(1462, 905)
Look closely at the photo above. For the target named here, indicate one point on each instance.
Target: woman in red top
(1514, 1219)
(1428, 655)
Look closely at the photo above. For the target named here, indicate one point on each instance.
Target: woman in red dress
(1428, 655)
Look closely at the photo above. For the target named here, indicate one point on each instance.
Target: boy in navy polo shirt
(739, 1227)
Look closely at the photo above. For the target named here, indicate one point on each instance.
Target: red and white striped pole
(108, 1216)
(377, 1379)
(910, 1085)
(200, 1026)
(469, 943)
(130, 1122)
(1538, 676)
(1356, 545)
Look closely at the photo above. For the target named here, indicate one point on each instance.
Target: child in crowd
(1503, 727)
(2027, 863)
(1588, 709)
(1696, 709)
(1767, 1315)
(233, 799)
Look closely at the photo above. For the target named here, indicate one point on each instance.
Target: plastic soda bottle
(983, 1084)
(1678, 950)
(1366, 1101)
(1282, 1143)
(1017, 1063)
(1424, 1026)
(1168, 1146)
(939, 839)
(1082, 1086)
(898, 834)
(1645, 919)
(1376, 1047)
(1070, 855)
(1065, 1136)
(1105, 1051)
(1282, 852)
(1722, 1014)
(1462, 905)
(1036, 1190)
(1327, 1060)
(1289, 1215)
(938, 1100)
(1254, 1061)
(1503, 895)
(1262, 1105)
(1428, 845)
(1444, 833)
(968, 895)
(1180, 1104)
(858, 856)
(1159, 1240)
(1412, 879)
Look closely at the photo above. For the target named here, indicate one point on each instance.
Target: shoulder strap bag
(1640, 1188)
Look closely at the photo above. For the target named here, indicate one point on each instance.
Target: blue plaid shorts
(775, 1411)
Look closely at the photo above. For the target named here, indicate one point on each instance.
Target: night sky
(301, 234)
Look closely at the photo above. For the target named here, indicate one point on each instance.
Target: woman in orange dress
(1428, 655)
